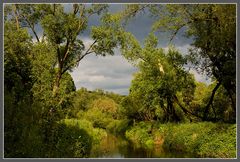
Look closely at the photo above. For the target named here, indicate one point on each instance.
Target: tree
(18, 115)
(213, 30)
(160, 78)
(62, 30)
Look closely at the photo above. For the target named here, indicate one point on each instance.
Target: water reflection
(117, 147)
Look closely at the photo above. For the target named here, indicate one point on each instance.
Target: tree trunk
(172, 112)
(214, 111)
(233, 100)
(59, 74)
(205, 115)
(57, 83)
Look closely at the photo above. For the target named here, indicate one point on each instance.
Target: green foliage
(98, 118)
(222, 144)
(213, 28)
(212, 140)
(161, 76)
(71, 141)
(18, 114)
(140, 134)
(129, 108)
(118, 127)
(44, 115)
(213, 51)
(203, 139)
(95, 133)
(220, 109)
(106, 105)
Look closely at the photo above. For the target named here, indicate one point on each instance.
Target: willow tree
(160, 80)
(212, 27)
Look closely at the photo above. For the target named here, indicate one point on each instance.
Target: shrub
(106, 105)
(138, 134)
(220, 142)
(118, 127)
(72, 141)
(96, 133)
(204, 139)
(97, 118)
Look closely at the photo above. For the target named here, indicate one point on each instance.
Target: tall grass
(205, 139)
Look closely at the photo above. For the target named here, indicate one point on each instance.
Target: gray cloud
(111, 73)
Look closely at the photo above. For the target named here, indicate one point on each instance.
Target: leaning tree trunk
(173, 115)
(206, 111)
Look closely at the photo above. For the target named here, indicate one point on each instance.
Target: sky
(114, 73)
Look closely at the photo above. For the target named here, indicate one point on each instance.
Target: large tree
(160, 80)
(212, 27)
(62, 30)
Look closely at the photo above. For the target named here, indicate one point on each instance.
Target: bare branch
(31, 26)
(176, 31)
(81, 18)
(87, 52)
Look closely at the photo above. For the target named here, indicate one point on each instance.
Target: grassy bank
(75, 138)
(205, 139)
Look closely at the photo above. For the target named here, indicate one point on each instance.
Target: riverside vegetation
(46, 117)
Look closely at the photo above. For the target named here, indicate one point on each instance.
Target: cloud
(200, 77)
(111, 73)
(183, 49)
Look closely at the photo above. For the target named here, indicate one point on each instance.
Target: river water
(118, 147)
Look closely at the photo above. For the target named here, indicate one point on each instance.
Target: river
(118, 147)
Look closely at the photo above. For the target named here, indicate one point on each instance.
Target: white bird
(160, 66)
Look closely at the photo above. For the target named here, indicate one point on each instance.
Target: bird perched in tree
(160, 66)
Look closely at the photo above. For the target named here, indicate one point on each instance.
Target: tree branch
(67, 68)
(14, 7)
(178, 28)
(87, 52)
(66, 50)
(31, 27)
(184, 109)
(59, 57)
(81, 17)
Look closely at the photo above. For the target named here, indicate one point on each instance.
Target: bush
(221, 142)
(202, 139)
(96, 133)
(98, 118)
(118, 127)
(205, 139)
(106, 105)
(139, 134)
(71, 142)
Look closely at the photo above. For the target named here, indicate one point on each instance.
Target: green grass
(204, 139)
